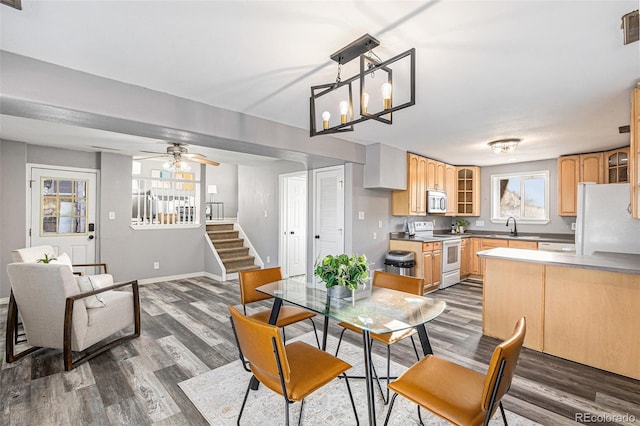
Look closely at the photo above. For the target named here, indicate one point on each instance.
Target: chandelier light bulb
(344, 109)
(365, 101)
(325, 119)
(386, 95)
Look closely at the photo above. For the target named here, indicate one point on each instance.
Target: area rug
(218, 395)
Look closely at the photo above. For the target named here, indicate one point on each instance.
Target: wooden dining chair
(397, 282)
(458, 394)
(294, 371)
(250, 280)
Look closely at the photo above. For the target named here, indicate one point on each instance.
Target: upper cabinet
(591, 167)
(468, 191)
(634, 153)
(424, 174)
(413, 200)
(596, 167)
(450, 184)
(616, 165)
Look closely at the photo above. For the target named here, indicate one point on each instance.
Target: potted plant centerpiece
(342, 273)
(461, 224)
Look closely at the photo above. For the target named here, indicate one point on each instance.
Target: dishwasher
(561, 247)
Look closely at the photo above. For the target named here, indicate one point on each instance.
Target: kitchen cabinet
(490, 243)
(474, 260)
(435, 175)
(450, 188)
(634, 153)
(529, 245)
(616, 165)
(465, 259)
(573, 169)
(591, 167)
(432, 264)
(413, 200)
(468, 191)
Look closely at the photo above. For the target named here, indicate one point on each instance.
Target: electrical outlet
(156, 265)
(379, 224)
(479, 222)
(266, 214)
(375, 236)
(268, 259)
(361, 215)
(573, 226)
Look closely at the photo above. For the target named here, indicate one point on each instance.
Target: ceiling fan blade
(204, 161)
(194, 155)
(148, 158)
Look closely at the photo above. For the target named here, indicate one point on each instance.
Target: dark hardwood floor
(185, 332)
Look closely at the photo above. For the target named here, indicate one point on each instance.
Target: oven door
(451, 255)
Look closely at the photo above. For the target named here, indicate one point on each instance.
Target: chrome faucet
(515, 227)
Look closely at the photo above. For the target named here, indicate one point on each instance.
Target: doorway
(62, 211)
(293, 223)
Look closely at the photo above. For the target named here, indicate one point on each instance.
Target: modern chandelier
(332, 104)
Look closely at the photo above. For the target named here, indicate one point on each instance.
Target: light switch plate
(361, 215)
(573, 226)
(112, 215)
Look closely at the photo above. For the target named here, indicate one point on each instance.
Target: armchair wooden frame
(87, 354)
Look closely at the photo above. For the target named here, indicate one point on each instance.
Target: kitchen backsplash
(440, 223)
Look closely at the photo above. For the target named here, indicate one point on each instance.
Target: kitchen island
(582, 308)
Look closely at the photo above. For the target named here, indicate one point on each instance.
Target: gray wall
(556, 225)
(225, 177)
(258, 191)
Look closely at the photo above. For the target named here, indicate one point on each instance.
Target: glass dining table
(375, 310)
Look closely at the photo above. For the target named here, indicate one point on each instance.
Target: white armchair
(54, 314)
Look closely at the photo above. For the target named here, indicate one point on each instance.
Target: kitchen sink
(519, 237)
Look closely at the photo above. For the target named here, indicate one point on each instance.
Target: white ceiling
(554, 73)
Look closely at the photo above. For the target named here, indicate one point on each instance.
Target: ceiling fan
(178, 153)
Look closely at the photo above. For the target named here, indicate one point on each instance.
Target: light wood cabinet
(568, 178)
(474, 260)
(440, 175)
(431, 174)
(468, 191)
(616, 165)
(519, 244)
(634, 153)
(465, 259)
(432, 264)
(450, 182)
(413, 200)
(435, 175)
(487, 244)
(591, 167)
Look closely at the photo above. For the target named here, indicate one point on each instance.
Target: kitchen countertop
(546, 238)
(612, 262)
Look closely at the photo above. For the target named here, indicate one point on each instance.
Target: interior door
(296, 225)
(63, 212)
(328, 227)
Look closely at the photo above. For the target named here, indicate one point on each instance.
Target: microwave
(436, 202)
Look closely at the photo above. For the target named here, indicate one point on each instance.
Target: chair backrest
(509, 350)
(256, 343)
(40, 291)
(404, 283)
(250, 280)
(32, 254)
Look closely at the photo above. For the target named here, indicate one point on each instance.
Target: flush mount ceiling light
(504, 145)
(380, 91)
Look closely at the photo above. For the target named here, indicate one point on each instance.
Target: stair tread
(230, 249)
(228, 240)
(237, 259)
(242, 268)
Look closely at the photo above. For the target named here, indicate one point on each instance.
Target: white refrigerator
(604, 221)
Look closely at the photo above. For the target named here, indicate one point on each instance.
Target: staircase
(234, 255)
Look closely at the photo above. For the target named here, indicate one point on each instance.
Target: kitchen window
(524, 196)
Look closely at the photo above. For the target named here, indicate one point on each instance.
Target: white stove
(451, 246)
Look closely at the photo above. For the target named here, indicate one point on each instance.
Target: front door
(63, 212)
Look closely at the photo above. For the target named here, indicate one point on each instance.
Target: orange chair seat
(310, 370)
(449, 390)
(288, 315)
(386, 338)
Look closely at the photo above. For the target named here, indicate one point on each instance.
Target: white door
(63, 212)
(294, 215)
(328, 229)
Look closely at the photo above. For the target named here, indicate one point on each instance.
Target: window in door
(524, 196)
(64, 206)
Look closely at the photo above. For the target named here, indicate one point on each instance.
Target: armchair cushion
(32, 254)
(63, 259)
(88, 283)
